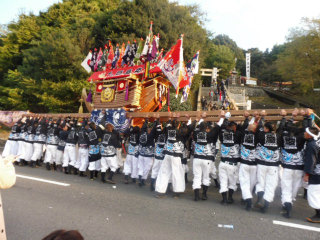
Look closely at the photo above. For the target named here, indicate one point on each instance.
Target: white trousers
(267, 181)
(291, 181)
(109, 162)
(20, 150)
(155, 168)
(314, 196)
(10, 148)
(28, 151)
(213, 171)
(171, 169)
(227, 177)
(131, 166)
(14, 148)
(119, 157)
(51, 152)
(83, 159)
(201, 173)
(37, 151)
(23, 150)
(95, 166)
(59, 157)
(144, 166)
(248, 179)
(69, 155)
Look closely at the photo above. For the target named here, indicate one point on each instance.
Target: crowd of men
(253, 153)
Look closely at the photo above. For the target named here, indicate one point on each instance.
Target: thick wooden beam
(236, 115)
(208, 113)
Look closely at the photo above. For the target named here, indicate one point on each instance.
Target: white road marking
(44, 180)
(293, 225)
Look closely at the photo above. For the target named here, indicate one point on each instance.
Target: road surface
(99, 211)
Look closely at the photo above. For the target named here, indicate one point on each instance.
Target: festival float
(137, 78)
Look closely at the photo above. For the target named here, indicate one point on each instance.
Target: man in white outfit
(248, 165)
(312, 171)
(171, 167)
(11, 147)
(158, 154)
(39, 141)
(146, 151)
(29, 141)
(51, 144)
(204, 155)
(292, 146)
(268, 162)
(110, 140)
(230, 140)
(131, 163)
(83, 151)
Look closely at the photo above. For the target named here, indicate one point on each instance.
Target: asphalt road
(33, 209)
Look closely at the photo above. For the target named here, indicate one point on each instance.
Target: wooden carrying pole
(212, 116)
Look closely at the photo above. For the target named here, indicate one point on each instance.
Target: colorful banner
(172, 64)
(116, 117)
(9, 118)
(123, 72)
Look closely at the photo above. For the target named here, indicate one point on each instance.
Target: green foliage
(300, 61)
(222, 57)
(175, 103)
(225, 40)
(55, 57)
(263, 64)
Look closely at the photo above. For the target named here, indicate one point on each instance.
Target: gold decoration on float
(107, 94)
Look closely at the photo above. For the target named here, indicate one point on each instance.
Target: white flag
(86, 61)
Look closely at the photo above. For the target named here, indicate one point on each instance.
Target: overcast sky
(251, 23)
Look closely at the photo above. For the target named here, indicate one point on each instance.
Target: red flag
(110, 58)
(172, 64)
(121, 85)
(123, 50)
(185, 79)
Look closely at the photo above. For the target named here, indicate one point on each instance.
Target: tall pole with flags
(146, 51)
(181, 66)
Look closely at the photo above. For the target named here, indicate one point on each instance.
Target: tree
(175, 103)
(303, 53)
(300, 60)
(222, 57)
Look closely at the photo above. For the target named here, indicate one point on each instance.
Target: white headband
(315, 137)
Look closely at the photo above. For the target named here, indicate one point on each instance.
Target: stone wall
(249, 91)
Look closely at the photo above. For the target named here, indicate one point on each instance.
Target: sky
(250, 23)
